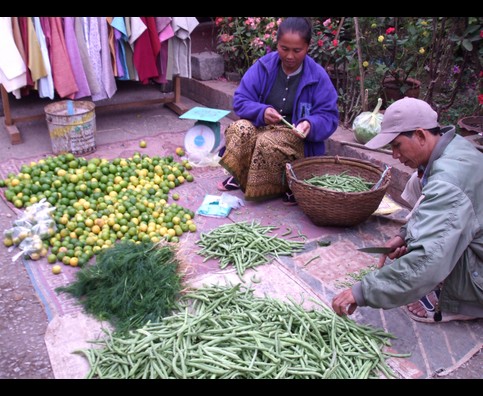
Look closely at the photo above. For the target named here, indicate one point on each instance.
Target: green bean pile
(245, 245)
(341, 182)
(226, 332)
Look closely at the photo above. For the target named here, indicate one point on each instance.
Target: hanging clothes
(22, 21)
(12, 66)
(64, 80)
(179, 53)
(107, 73)
(138, 27)
(46, 84)
(145, 53)
(36, 62)
(165, 32)
(84, 55)
(91, 29)
(121, 42)
(112, 49)
(75, 59)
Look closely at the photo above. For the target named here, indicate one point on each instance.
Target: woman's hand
(399, 249)
(344, 303)
(271, 116)
(304, 128)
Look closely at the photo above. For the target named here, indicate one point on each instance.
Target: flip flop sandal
(431, 310)
(289, 199)
(229, 184)
(427, 305)
(445, 317)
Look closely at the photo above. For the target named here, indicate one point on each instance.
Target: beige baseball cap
(404, 115)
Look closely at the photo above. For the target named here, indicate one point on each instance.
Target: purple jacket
(315, 101)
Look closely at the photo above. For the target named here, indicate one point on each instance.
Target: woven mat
(436, 349)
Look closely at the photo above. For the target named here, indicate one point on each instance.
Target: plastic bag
(16, 234)
(36, 221)
(213, 207)
(200, 159)
(45, 228)
(231, 200)
(31, 247)
(368, 124)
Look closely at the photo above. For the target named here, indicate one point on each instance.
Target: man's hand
(344, 303)
(399, 249)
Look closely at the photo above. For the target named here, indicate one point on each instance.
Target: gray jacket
(444, 237)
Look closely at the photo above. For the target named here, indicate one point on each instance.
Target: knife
(376, 249)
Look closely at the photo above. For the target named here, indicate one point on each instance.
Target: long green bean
(227, 332)
(340, 182)
(245, 245)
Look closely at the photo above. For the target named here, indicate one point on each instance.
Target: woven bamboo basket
(327, 207)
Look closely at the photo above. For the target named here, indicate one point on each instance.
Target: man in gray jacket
(438, 254)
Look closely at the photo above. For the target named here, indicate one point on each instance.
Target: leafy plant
(130, 284)
(242, 40)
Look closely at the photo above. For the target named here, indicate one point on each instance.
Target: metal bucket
(72, 126)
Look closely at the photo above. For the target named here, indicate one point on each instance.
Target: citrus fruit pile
(98, 201)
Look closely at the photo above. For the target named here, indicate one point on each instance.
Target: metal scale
(205, 136)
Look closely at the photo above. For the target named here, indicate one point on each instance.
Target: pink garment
(75, 59)
(165, 32)
(64, 80)
(145, 54)
(24, 32)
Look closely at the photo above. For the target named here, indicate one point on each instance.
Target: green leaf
(467, 45)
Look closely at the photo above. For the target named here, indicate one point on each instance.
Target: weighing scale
(204, 137)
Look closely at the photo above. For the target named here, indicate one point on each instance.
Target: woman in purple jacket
(285, 84)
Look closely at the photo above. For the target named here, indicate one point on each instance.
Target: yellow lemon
(56, 269)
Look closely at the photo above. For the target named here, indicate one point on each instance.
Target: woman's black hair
(300, 25)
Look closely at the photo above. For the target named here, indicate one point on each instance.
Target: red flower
(349, 48)
(390, 30)
(481, 33)
(480, 99)
(320, 43)
(481, 74)
(358, 78)
(335, 42)
(334, 32)
(319, 33)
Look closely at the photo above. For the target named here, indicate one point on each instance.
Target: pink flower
(320, 43)
(480, 99)
(390, 30)
(319, 33)
(327, 22)
(481, 33)
(335, 42)
(226, 38)
(218, 21)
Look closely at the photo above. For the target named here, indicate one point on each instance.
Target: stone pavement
(23, 353)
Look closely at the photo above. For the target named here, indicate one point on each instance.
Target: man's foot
(425, 306)
(229, 184)
(424, 310)
(289, 199)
